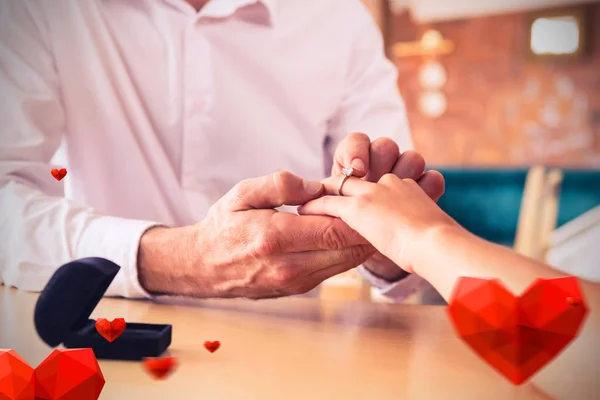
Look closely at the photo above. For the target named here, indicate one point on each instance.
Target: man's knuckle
(360, 136)
(385, 147)
(360, 253)
(283, 177)
(283, 181)
(283, 275)
(265, 243)
(414, 156)
(333, 236)
(240, 190)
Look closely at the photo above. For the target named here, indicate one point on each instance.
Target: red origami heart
(58, 174)
(110, 330)
(160, 368)
(72, 374)
(517, 335)
(212, 346)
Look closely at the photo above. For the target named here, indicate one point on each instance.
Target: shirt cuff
(397, 291)
(117, 240)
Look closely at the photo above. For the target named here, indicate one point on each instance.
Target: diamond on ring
(347, 171)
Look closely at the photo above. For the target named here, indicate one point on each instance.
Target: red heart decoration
(110, 330)
(70, 374)
(212, 346)
(160, 368)
(58, 174)
(16, 377)
(517, 335)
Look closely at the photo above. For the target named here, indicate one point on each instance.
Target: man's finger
(300, 272)
(306, 270)
(432, 183)
(350, 258)
(271, 191)
(383, 156)
(309, 262)
(353, 151)
(410, 165)
(292, 233)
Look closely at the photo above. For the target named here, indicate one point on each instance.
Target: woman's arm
(404, 224)
(450, 252)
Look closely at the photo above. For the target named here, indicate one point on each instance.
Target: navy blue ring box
(62, 314)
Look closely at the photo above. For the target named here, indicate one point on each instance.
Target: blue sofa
(487, 201)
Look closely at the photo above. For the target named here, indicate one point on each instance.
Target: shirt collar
(225, 8)
(271, 6)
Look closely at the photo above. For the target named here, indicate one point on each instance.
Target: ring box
(63, 309)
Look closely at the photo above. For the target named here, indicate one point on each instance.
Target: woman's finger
(334, 206)
(352, 186)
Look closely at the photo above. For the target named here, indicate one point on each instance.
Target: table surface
(292, 348)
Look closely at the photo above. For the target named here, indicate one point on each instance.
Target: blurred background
(503, 96)
(496, 83)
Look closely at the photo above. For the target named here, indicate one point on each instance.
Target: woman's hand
(370, 161)
(395, 215)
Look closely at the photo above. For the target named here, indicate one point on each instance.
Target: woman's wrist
(427, 254)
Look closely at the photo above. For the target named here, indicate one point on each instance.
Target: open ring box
(63, 309)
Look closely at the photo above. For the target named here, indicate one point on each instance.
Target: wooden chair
(539, 212)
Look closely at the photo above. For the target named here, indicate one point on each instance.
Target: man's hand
(372, 161)
(244, 248)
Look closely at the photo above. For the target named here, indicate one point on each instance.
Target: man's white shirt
(161, 110)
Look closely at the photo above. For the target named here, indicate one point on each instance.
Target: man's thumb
(272, 191)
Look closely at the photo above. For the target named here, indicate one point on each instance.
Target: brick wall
(504, 109)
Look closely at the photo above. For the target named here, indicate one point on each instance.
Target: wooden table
(291, 348)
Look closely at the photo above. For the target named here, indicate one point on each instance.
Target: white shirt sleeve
(372, 105)
(397, 291)
(39, 229)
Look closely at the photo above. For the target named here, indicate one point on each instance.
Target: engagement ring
(346, 173)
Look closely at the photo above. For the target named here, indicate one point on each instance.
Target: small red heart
(517, 335)
(58, 174)
(110, 330)
(160, 368)
(212, 346)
